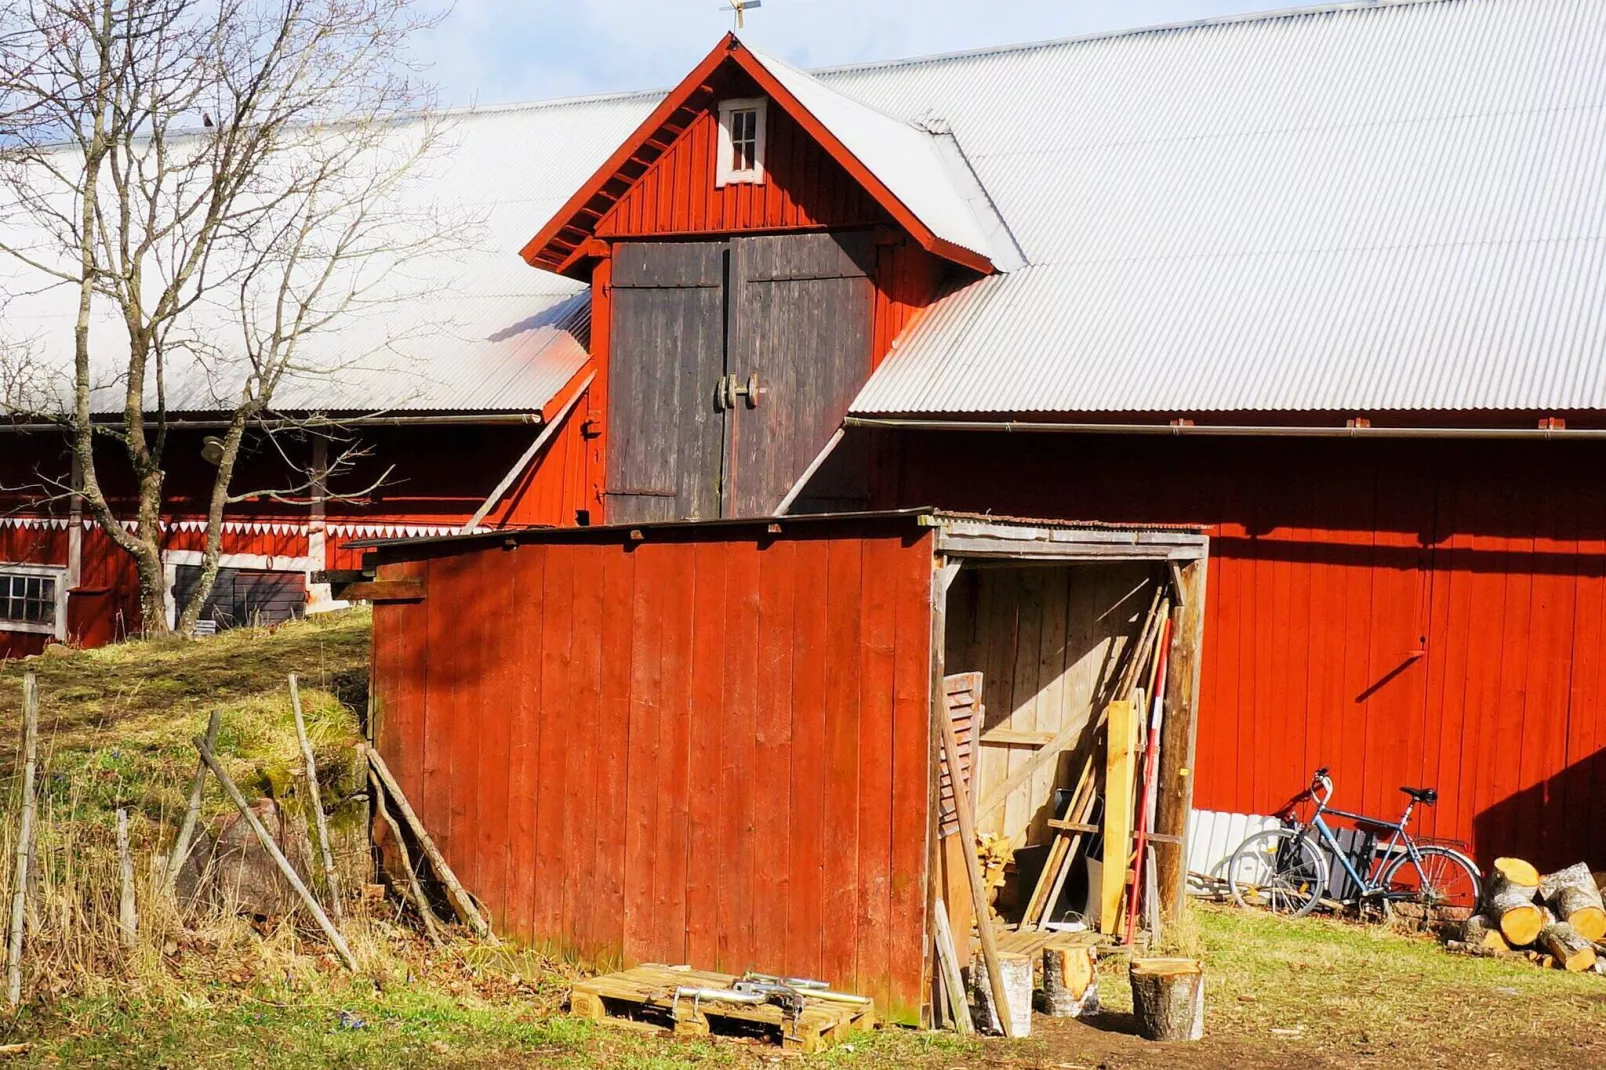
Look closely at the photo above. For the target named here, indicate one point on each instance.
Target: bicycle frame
(1400, 839)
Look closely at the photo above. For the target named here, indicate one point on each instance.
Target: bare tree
(216, 184)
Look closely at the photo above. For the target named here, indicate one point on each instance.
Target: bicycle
(1285, 870)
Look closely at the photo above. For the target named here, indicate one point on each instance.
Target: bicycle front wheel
(1445, 883)
(1279, 870)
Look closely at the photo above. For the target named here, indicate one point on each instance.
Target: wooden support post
(192, 810)
(315, 800)
(426, 915)
(1178, 741)
(285, 868)
(462, 902)
(19, 874)
(978, 890)
(953, 983)
(127, 915)
(1120, 762)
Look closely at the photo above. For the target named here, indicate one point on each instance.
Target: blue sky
(495, 51)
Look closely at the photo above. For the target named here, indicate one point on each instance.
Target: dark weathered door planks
(802, 314)
(792, 313)
(667, 356)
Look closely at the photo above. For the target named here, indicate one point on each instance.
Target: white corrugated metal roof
(469, 329)
(909, 161)
(1398, 205)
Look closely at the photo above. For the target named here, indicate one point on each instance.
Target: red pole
(1151, 755)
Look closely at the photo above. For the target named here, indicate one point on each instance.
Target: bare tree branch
(217, 182)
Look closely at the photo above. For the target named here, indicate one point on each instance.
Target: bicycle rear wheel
(1280, 871)
(1446, 885)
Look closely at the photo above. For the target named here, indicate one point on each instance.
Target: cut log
(1570, 950)
(1070, 982)
(1484, 932)
(1168, 998)
(1508, 898)
(1572, 896)
(1015, 971)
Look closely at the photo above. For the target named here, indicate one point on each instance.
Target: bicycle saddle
(1425, 796)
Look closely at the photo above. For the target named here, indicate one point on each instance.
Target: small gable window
(741, 141)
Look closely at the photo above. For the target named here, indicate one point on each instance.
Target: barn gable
(829, 161)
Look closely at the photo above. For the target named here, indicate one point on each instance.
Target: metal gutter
(1225, 430)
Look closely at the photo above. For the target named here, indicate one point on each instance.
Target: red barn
(1327, 282)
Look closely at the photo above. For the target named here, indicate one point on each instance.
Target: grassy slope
(1305, 994)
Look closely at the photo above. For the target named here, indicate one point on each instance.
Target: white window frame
(724, 173)
(58, 628)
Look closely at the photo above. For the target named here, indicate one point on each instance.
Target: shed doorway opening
(1069, 674)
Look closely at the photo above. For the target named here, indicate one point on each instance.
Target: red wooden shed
(713, 742)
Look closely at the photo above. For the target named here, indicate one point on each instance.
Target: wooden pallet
(647, 994)
(1032, 941)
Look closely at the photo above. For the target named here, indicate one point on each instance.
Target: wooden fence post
(315, 797)
(19, 877)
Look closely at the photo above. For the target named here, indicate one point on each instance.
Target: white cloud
(492, 51)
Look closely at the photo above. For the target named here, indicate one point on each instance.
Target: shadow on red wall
(1555, 822)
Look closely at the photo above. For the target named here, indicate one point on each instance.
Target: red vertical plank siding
(707, 733)
(803, 189)
(772, 878)
(642, 742)
(805, 907)
(840, 816)
(498, 643)
(739, 794)
(877, 684)
(580, 743)
(672, 845)
(557, 637)
(613, 772)
(711, 748)
(524, 734)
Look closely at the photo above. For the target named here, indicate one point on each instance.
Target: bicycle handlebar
(1323, 783)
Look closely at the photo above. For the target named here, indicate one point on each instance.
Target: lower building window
(31, 599)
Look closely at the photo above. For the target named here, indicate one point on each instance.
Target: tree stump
(1568, 948)
(1482, 931)
(1070, 982)
(1572, 896)
(1168, 998)
(1017, 971)
(1508, 898)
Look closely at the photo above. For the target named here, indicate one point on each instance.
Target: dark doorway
(245, 596)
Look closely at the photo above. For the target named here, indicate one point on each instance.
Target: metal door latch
(730, 388)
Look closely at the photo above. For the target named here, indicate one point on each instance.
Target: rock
(229, 867)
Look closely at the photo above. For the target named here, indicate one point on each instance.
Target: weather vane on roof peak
(741, 7)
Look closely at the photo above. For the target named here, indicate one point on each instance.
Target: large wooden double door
(731, 363)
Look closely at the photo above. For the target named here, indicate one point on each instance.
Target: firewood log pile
(1555, 920)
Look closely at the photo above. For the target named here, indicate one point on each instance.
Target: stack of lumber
(1555, 919)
